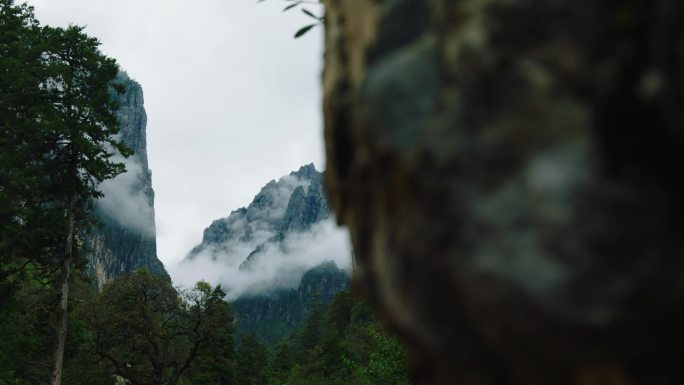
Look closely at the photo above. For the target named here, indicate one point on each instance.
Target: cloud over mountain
(286, 230)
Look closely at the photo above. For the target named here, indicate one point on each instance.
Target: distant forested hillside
(273, 316)
(339, 343)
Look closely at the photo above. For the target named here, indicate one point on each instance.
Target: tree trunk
(508, 171)
(62, 310)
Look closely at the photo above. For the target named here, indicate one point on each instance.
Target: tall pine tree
(80, 132)
(251, 362)
(25, 230)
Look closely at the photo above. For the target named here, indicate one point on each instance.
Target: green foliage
(385, 362)
(300, 32)
(294, 4)
(27, 229)
(57, 129)
(339, 344)
(310, 336)
(148, 333)
(57, 136)
(252, 360)
(139, 327)
(26, 336)
(215, 361)
(81, 366)
(281, 362)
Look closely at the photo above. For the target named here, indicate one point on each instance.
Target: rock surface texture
(126, 239)
(507, 170)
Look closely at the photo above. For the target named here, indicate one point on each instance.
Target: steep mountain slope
(275, 256)
(268, 245)
(126, 239)
(293, 203)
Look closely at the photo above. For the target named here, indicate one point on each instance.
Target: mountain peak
(291, 204)
(307, 171)
(126, 241)
(269, 245)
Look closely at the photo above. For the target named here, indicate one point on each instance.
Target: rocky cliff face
(275, 255)
(126, 239)
(508, 172)
(292, 204)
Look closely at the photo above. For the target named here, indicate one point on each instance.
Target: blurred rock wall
(509, 172)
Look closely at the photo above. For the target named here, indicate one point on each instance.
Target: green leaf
(291, 6)
(304, 30)
(306, 11)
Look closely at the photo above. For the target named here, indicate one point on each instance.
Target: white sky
(232, 99)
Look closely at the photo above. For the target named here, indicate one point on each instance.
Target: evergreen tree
(252, 360)
(339, 344)
(311, 333)
(80, 132)
(28, 229)
(26, 335)
(281, 363)
(57, 134)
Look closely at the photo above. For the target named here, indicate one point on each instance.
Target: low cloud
(278, 265)
(126, 201)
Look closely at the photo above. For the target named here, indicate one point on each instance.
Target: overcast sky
(232, 99)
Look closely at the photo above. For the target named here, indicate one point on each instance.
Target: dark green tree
(215, 361)
(149, 334)
(81, 366)
(26, 335)
(28, 229)
(57, 134)
(281, 362)
(341, 344)
(79, 131)
(252, 361)
(312, 331)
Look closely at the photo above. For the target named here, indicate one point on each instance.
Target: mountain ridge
(275, 256)
(267, 218)
(125, 240)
